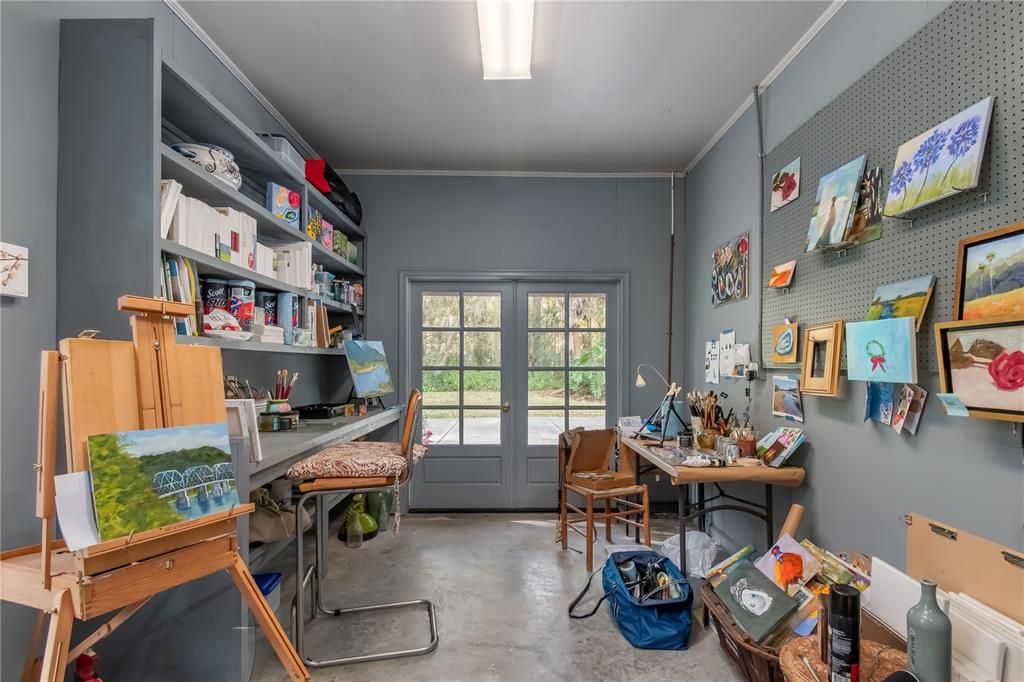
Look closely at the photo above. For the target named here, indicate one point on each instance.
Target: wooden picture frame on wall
(820, 372)
(988, 357)
(982, 259)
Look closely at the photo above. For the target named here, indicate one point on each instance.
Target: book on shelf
(266, 261)
(776, 447)
(181, 284)
(170, 192)
(295, 264)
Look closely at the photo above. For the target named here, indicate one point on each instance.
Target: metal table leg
(682, 503)
(702, 521)
(636, 480)
(770, 521)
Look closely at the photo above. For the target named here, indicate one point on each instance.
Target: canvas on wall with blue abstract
(882, 350)
(834, 205)
(152, 478)
(941, 161)
(369, 367)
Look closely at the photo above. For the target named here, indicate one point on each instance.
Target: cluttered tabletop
(672, 460)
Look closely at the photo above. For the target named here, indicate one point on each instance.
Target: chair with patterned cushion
(348, 468)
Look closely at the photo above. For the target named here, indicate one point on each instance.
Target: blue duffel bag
(645, 623)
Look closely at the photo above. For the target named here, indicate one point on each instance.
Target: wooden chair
(586, 471)
(356, 467)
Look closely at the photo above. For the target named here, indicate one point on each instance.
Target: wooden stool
(358, 467)
(587, 473)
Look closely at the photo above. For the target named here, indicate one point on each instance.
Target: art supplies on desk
(775, 448)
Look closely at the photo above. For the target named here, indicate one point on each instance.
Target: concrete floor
(501, 587)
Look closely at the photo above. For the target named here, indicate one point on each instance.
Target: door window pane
(481, 427)
(440, 387)
(440, 310)
(482, 387)
(483, 349)
(587, 311)
(545, 349)
(441, 427)
(546, 311)
(588, 419)
(586, 349)
(440, 349)
(545, 388)
(544, 426)
(586, 388)
(482, 310)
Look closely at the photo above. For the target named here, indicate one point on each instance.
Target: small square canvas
(756, 603)
(782, 275)
(939, 162)
(730, 267)
(990, 274)
(371, 377)
(908, 298)
(867, 220)
(786, 185)
(834, 205)
(147, 479)
(882, 350)
(784, 341)
(786, 397)
(788, 565)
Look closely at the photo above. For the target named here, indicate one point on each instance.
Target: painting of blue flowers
(834, 205)
(940, 162)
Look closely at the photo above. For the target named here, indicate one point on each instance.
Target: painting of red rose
(786, 185)
(986, 366)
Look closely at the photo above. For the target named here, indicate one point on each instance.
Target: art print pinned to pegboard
(730, 270)
(13, 270)
(968, 53)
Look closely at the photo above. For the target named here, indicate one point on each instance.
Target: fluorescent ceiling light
(506, 38)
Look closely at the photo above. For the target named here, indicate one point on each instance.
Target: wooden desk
(681, 476)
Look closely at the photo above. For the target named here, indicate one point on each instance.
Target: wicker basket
(756, 663)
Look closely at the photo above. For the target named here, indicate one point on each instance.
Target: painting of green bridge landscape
(147, 479)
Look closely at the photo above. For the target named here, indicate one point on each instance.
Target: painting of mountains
(152, 478)
(369, 367)
(992, 275)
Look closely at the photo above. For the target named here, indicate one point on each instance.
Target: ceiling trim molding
(806, 38)
(213, 47)
(503, 174)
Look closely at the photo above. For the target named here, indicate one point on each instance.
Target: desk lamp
(665, 408)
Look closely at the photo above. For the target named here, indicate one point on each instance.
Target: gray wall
(30, 66)
(861, 477)
(457, 223)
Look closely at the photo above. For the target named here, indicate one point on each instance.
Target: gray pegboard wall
(968, 52)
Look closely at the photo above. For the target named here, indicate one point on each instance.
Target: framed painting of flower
(990, 274)
(939, 162)
(982, 362)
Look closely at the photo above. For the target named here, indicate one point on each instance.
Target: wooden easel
(108, 387)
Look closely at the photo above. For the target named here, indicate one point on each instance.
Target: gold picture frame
(985, 357)
(991, 239)
(820, 372)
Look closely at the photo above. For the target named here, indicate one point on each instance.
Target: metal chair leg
(314, 576)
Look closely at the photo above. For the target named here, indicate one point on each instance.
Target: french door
(505, 367)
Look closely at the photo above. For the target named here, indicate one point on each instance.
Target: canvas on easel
(112, 387)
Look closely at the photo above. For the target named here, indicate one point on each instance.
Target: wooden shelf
(234, 344)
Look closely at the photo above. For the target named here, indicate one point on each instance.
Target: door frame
(407, 278)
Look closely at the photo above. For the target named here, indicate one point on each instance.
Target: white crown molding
(501, 174)
(806, 38)
(212, 46)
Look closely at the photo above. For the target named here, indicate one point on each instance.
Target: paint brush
(291, 385)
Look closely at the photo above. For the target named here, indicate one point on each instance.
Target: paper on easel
(711, 362)
(75, 511)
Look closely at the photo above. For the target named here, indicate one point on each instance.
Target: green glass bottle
(929, 638)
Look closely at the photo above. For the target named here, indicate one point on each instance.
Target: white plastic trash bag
(701, 550)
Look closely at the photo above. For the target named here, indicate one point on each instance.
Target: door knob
(505, 407)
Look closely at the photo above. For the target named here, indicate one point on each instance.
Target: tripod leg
(55, 655)
(30, 671)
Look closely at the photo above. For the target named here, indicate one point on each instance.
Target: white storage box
(284, 150)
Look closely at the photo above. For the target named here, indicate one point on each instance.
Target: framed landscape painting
(834, 205)
(990, 274)
(786, 185)
(908, 298)
(982, 362)
(939, 162)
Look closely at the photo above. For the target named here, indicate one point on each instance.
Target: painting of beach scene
(939, 162)
(786, 185)
(986, 367)
(369, 367)
(786, 397)
(867, 219)
(834, 204)
(882, 350)
(782, 275)
(730, 266)
(991, 274)
(148, 479)
(908, 298)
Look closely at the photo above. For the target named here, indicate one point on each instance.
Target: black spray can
(844, 634)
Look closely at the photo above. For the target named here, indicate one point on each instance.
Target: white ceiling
(617, 86)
